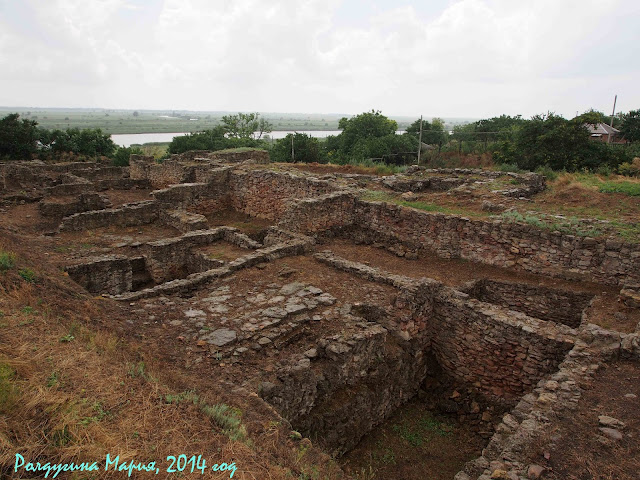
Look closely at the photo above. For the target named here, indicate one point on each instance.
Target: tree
(245, 125)
(630, 127)
(264, 126)
(18, 139)
(432, 133)
(552, 141)
(367, 125)
(135, 113)
(213, 139)
(591, 117)
(306, 148)
(121, 157)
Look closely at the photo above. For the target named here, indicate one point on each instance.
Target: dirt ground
(581, 451)
(414, 444)
(120, 197)
(247, 224)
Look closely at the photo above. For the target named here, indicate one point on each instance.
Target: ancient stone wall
(159, 175)
(502, 354)
(345, 390)
(140, 213)
(253, 155)
(183, 221)
(312, 215)
(168, 259)
(501, 244)
(182, 195)
(64, 206)
(266, 194)
(418, 179)
(545, 303)
(108, 274)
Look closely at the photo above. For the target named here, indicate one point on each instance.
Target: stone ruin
(348, 342)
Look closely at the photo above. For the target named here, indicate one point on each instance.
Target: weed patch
(27, 275)
(229, 419)
(8, 389)
(627, 188)
(7, 261)
(569, 226)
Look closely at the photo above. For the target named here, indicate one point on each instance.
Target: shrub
(547, 172)
(509, 167)
(121, 158)
(7, 261)
(630, 169)
(27, 275)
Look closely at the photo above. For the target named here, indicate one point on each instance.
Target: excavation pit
(551, 304)
(355, 380)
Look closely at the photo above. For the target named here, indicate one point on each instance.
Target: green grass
(239, 150)
(380, 196)
(139, 370)
(53, 379)
(569, 226)
(509, 167)
(547, 172)
(381, 168)
(7, 261)
(609, 186)
(27, 275)
(627, 188)
(227, 418)
(418, 432)
(100, 413)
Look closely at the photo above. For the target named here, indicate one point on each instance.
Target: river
(126, 140)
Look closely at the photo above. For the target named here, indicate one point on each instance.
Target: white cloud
(472, 58)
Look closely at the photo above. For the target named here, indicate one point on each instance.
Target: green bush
(18, 139)
(121, 157)
(213, 139)
(306, 149)
(27, 275)
(547, 172)
(509, 167)
(630, 169)
(7, 261)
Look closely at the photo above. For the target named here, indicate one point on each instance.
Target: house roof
(602, 129)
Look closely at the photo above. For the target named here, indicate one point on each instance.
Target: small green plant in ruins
(7, 261)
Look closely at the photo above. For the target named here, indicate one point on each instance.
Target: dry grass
(74, 391)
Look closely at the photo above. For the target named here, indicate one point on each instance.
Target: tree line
(543, 141)
(23, 139)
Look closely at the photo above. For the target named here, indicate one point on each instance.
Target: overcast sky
(449, 58)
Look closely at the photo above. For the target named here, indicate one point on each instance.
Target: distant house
(604, 133)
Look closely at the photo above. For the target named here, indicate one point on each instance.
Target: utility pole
(612, 115)
(420, 140)
(293, 155)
